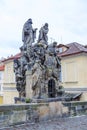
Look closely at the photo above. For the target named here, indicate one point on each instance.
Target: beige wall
(9, 76)
(8, 97)
(74, 71)
(9, 86)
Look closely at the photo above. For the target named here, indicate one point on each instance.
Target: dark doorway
(51, 88)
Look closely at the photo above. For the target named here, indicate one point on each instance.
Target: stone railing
(30, 112)
(76, 107)
(35, 112)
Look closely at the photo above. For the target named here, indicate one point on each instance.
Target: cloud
(67, 21)
(8, 51)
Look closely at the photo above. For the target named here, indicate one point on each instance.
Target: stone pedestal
(28, 88)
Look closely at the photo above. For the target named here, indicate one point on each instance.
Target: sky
(67, 21)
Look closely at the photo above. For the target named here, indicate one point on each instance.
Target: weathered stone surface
(33, 112)
(55, 109)
(38, 70)
(29, 92)
(44, 112)
(37, 112)
(75, 123)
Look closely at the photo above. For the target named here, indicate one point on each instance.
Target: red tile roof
(13, 57)
(17, 55)
(74, 48)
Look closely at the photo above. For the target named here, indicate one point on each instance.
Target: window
(71, 72)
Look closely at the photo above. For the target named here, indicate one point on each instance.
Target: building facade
(9, 85)
(73, 68)
(1, 81)
(73, 72)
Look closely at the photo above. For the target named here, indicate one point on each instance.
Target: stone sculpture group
(41, 60)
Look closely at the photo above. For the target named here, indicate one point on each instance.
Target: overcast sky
(67, 21)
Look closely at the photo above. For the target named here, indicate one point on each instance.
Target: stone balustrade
(35, 112)
(30, 112)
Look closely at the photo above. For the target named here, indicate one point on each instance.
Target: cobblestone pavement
(75, 123)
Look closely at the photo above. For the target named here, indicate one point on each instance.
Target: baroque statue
(41, 60)
(43, 38)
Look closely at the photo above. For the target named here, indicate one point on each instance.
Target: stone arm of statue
(27, 28)
(45, 30)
